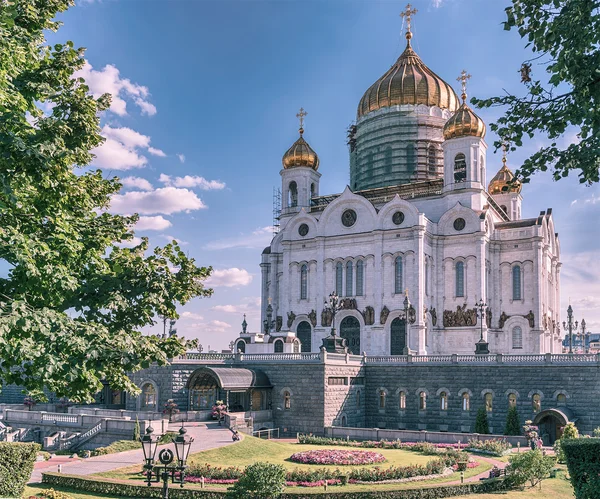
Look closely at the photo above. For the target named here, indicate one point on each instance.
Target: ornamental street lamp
(584, 336)
(406, 307)
(334, 343)
(482, 346)
(569, 325)
(165, 470)
(334, 306)
(267, 323)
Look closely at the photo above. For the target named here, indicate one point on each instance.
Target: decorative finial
(301, 116)
(464, 76)
(408, 13)
(504, 150)
(244, 325)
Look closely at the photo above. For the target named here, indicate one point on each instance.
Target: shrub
(531, 466)
(118, 446)
(583, 461)
(481, 422)
(597, 432)
(570, 431)
(494, 447)
(16, 465)
(259, 481)
(136, 430)
(513, 423)
(336, 456)
(52, 494)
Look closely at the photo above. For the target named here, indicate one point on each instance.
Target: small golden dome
(464, 123)
(300, 154)
(408, 81)
(501, 183)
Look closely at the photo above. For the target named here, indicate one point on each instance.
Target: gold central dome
(501, 183)
(300, 154)
(408, 81)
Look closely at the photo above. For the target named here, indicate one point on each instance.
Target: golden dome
(300, 154)
(501, 183)
(464, 123)
(408, 81)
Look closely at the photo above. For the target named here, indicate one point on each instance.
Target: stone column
(417, 330)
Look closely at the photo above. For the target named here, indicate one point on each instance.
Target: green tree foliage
(73, 302)
(570, 432)
(513, 422)
(259, 481)
(531, 466)
(481, 422)
(561, 87)
(136, 430)
(583, 461)
(16, 465)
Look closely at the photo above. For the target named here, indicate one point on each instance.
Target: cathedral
(425, 254)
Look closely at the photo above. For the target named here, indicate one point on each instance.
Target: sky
(205, 96)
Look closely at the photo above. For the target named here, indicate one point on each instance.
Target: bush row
(16, 465)
(583, 461)
(492, 447)
(119, 489)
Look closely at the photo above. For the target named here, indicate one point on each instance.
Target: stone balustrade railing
(336, 358)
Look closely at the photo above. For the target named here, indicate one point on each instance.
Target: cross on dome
(464, 76)
(301, 116)
(408, 13)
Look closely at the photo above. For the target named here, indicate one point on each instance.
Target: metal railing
(268, 433)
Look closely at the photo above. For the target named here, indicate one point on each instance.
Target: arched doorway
(397, 336)
(551, 422)
(350, 330)
(304, 333)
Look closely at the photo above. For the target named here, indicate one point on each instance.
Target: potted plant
(218, 409)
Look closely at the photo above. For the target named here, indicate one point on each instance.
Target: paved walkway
(485, 474)
(206, 436)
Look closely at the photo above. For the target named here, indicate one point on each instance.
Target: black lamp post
(584, 336)
(334, 343)
(482, 346)
(165, 470)
(406, 307)
(569, 325)
(268, 323)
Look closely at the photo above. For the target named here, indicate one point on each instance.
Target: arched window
(148, 397)
(422, 401)
(482, 170)
(296, 346)
(432, 160)
(398, 275)
(358, 400)
(517, 337)
(503, 208)
(360, 278)
(344, 420)
(293, 194)
(287, 400)
(460, 168)
(460, 279)
(512, 400)
(349, 279)
(443, 401)
(382, 399)
(312, 190)
(488, 402)
(561, 399)
(402, 401)
(304, 282)
(536, 402)
(278, 346)
(466, 402)
(304, 333)
(339, 276)
(387, 160)
(240, 346)
(516, 282)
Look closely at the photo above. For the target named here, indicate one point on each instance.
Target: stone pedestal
(482, 348)
(334, 344)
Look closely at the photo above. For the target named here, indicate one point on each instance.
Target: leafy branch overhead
(73, 301)
(562, 88)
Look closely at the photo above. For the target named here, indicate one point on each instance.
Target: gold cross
(464, 76)
(301, 116)
(408, 13)
(504, 149)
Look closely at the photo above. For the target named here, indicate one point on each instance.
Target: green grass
(118, 446)
(38, 488)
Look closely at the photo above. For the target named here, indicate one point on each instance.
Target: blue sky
(206, 94)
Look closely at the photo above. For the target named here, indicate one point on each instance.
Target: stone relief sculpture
(312, 317)
(326, 317)
(461, 317)
(488, 317)
(348, 304)
(278, 323)
(291, 319)
(433, 313)
(531, 318)
(503, 319)
(385, 312)
(369, 316)
(412, 314)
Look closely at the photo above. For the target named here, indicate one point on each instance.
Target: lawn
(32, 491)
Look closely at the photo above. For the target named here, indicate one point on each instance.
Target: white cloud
(181, 157)
(580, 285)
(153, 223)
(437, 3)
(131, 243)
(108, 80)
(191, 315)
(192, 181)
(171, 239)
(216, 326)
(137, 182)
(116, 156)
(156, 152)
(128, 137)
(165, 201)
(259, 238)
(229, 278)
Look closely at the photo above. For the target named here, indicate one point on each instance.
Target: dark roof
(230, 378)
(267, 250)
(514, 224)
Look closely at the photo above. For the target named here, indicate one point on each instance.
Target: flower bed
(490, 447)
(336, 456)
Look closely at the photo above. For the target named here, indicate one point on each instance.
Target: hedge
(16, 465)
(583, 462)
(125, 489)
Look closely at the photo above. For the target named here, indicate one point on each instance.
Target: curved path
(206, 436)
(485, 474)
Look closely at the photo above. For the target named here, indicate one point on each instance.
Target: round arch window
(303, 230)
(459, 224)
(349, 218)
(398, 218)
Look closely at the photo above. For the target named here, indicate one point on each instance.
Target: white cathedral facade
(419, 220)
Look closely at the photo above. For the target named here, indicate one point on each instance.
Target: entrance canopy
(563, 415)
(230, 379)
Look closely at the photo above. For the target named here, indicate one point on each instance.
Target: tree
(170, 409)
(570, 432)
(73, 303)
(513, 423)
(481, 422)
(531, 466)
(259, 481)
(564, 36)
(136, 430)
